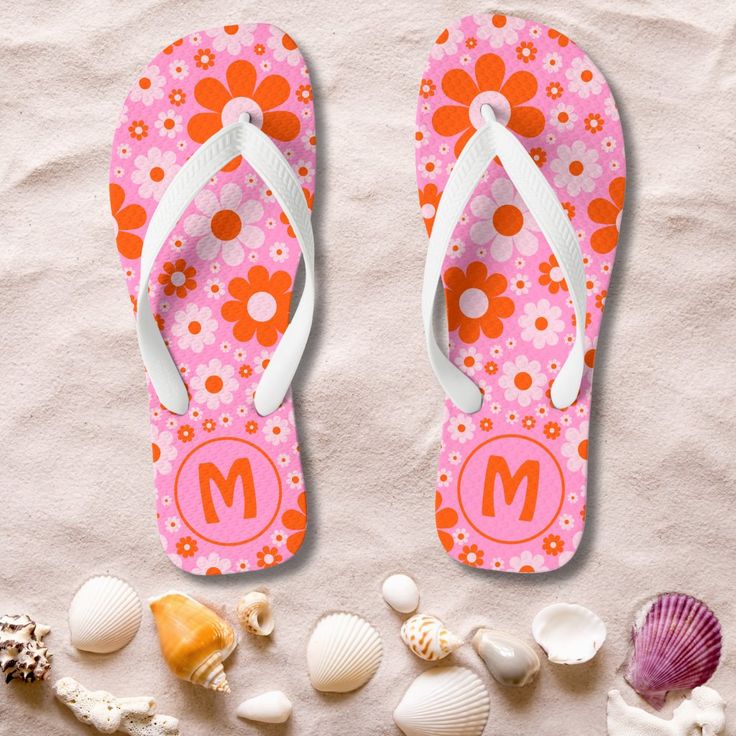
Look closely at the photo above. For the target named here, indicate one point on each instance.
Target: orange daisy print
(429, 201)
(446, 519)
(177, 278)
(127, 218)
(295, 520)
(608, 214)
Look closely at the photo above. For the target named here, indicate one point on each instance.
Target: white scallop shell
(344, 652)
(104, 615)
(445, 701)
(401, 593)
(270, 707)
(428, 637)
(568, 633)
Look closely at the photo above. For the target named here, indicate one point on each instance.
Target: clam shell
(445, 701)
(255, 614)
(343, 653)
(676, 645)
(568, 633)
(510, 660)
(401, 593)
(428, 637)
(270, 707)
(104, 615)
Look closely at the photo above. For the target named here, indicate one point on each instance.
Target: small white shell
(344, 652)
(104, 615)
(568, 633)
(445, 701)
(511, 661)
(428, 637)
(401, 593)
(270, 707)
(255, 614)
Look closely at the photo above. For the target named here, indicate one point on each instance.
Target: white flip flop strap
(492, 140)
(247, 140)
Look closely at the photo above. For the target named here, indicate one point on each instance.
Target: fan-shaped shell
(676, 645)
(445, 701)
(428, 637)
(344, 652)
(104, 615)
(569, 633)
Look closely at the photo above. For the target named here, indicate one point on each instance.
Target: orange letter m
(528, 470)
(240, 469)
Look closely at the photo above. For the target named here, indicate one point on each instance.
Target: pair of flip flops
(520, 169)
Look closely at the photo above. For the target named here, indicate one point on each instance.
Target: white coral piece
(702, 714)
(23, 655)
(108, 714)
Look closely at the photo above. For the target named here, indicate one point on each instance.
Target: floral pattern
(509, 312)
(221, 287)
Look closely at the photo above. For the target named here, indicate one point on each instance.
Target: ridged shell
(676, 645)
(511, 661)
(104, 615)
(23, 654)
(428, 637)
(568, 633)
(445, 701)
(401, 593)
(344, 652)
(195, 641)
(254, 613)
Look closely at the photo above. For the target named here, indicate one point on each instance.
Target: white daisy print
(212, 564)
(498, 29)
(527, 561)
(469, 360)
(214, 384)
(583, 78)
(232, 38)
(461, 428)
(575, 448)
(284, 48)
(163, 450)
(154, 171)
(541, 323)
(276, 430)
(149, 86)
(195, 327)
(522, 380)
(576, 168)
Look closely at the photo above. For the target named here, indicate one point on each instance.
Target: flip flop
(520, 167)
(211, 183)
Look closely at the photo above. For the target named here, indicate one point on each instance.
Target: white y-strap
(492, 140)
(238, 139)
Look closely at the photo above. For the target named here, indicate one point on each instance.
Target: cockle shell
(568, 633)
(23, 655)
(428, 637)
(270, 707)
(104, 615)
(195, 641)
(344, 652)
(444, 701)
(676, 645)
(255, 614)
(510, 660)
(401, 593)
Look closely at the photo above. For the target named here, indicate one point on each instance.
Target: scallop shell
(676, 646)
(401, 593)
(428, 637)
(344, 652)
(510, 660)
(195, 641)
(255, 614)
(568, 633)
(270, 707)
(445, 701)
(104, 615)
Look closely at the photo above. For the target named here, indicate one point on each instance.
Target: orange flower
(427, 88)
(268, 557)
(429, 201)
(126, 218)
(304, 93)
(471, 555)
(445, 519)
(243, 95)
(309, 196)
(251, 427)
(528, 422)
(561, 39)
(608, 214)
(177, 97)
(554, 90)
(474, 301)
(186, 547)
(551, 430)
(261, 307)
(600, 299)
(185, 433)
(138, 129)
(552, 275)
(204, 58)
(526, 51)
(488, 88)
(471, 42)
(208, 425)
(295, 520)
(260, 49)
(178, 278)
(539, 155)
(553, 544)
(491, 368)
(245, 371)
(594, 123)
(486, 424)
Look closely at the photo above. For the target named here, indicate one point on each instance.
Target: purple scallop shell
(676, 646)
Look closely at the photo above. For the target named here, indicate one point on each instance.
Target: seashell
(510, 660)
(676, 646)
(254, 613)
(444, 701)
(704, 712)
(344, 652)
(23, 655)
(428, 637)
(568, 633)
(401, 593)
(195, 641)
(270, 707)
(104, 615)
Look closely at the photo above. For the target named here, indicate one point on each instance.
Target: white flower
(527, 561)
(179, 69)
(447, 42)
(552, 62)
(173, 524)
(194, 327)
(444, 477)
(541, 323)
(429, 166)
(498, 29)
(279, 252)
(566, 521)
(583, 78)
(469, 360)
(168, 124)
(284, 48)
(149, 86)
(295, 480)
(609, 107)
(575, 448)
(522, 380)
(154, 171)
(163, 450)
(232, 38)
(575, 168)
(214, 384)
(213, 564)
(276, 430)
(461, 428)
(563, 116)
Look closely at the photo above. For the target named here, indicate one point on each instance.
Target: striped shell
(428, 637)
(676, 645)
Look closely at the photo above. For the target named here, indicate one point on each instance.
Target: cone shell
(676, 645)
(195, 641)
(104, 615)
(569, 633)
(254, 613)
(445, 701)
(344, 652)
(428, 637)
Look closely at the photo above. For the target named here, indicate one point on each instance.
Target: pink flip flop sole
(511, 487)
(229, 490)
